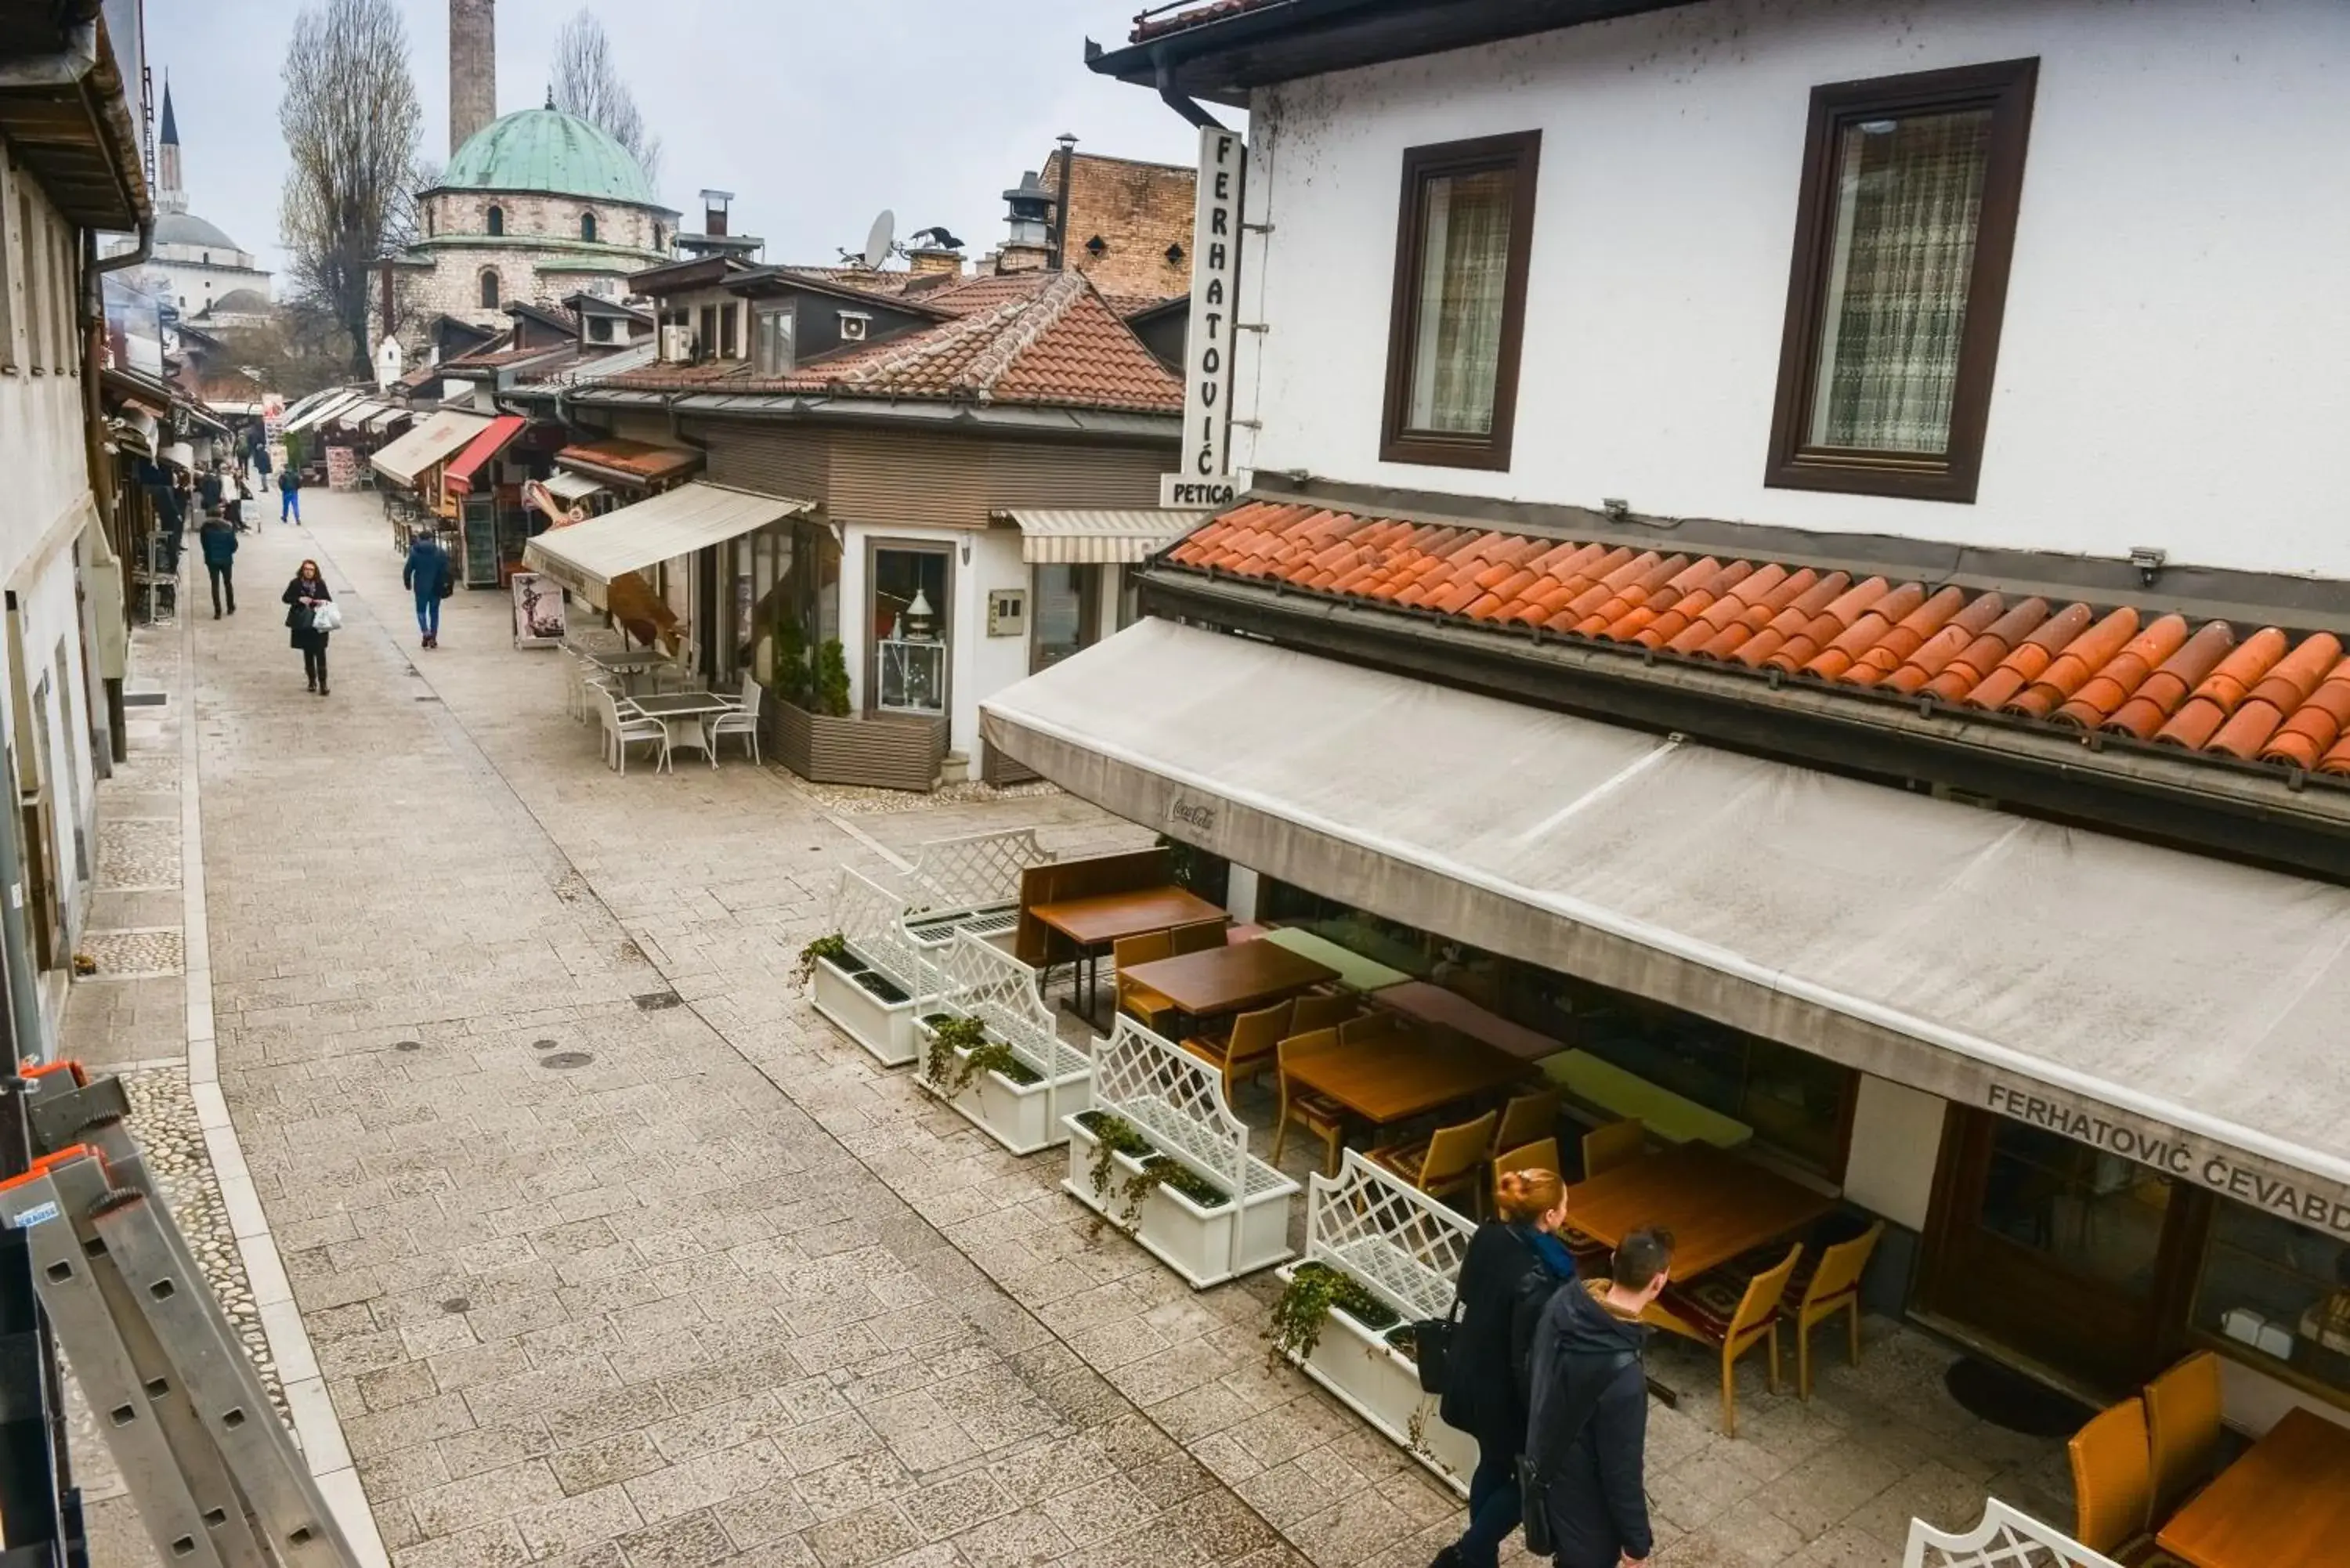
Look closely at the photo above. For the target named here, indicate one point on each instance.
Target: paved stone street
(610, 1252)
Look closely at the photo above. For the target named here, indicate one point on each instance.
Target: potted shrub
(1343, 1336)
(1186, 1219)
(875, 1010)
(996, 1086)
(818, 738)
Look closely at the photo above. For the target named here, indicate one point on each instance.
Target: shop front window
(2277, 1291)
(1064, 620)
(909, 622)
(2102, 1215)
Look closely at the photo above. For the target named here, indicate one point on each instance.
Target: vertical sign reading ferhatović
(1215, 279)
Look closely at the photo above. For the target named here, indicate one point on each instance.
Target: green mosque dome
(547, 150)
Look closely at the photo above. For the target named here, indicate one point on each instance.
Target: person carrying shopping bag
(310, 616)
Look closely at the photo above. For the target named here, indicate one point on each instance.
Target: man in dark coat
(209, 487)
(1587, 1358)
(219, 541)
(427, 576)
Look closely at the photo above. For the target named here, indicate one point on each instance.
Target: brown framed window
(1464, 238)
(1903, 233)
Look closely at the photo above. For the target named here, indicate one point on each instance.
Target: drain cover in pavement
(457, 1305)
(655, 1000)
(408, 1045)
(545, 1044)
(145, 699)
(567, 1059)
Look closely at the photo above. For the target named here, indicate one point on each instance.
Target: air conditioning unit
(853, 325)
(676, 344)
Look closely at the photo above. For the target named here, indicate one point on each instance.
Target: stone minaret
(472, 69)
(173, 196)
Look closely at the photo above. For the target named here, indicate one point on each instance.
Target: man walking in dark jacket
(219, 541)
(1587, 1438)
(427, 576)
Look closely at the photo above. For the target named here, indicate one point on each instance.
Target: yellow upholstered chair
(1196, 938)
(1315, 1011)
(1449, 1161)
(1834, 1287)
(1365, 1026)
(1713, 1310)
(1248, 1050)
(1527, 1117)
(1153, 1010)
(1617, 1142)
(1301, 1107)
(2182, 1423)
(2113, 1480)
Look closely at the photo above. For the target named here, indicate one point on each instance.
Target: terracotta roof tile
(2268, 697)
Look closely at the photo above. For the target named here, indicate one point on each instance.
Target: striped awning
(1100, 536)
(325, 409)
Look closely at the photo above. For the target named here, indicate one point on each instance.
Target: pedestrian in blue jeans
(289, 495)
(427, 573)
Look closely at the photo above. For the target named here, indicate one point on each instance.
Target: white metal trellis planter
(873, 924)
(1176, 1101)
(1406, 1248)
(2005, 1538)
(975, 978)
(972, 884)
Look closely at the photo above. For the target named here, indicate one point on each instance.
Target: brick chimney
(713, 211)
(472, 69)
(932, 259)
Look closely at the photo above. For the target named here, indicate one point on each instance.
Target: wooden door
(2070, 1257)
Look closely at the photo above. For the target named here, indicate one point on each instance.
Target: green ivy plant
(833, 949)
(1304, 1305)
(794, 680)
(1124, 1196)
(967, 1037)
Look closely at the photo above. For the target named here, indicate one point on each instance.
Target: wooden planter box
(881, 751)
(1382, 1384)
(886, 1029)
(1022, 1117)
(1206, 1246)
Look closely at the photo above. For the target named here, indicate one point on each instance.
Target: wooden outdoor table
(1429, 1004)
(1393, 1077)
(1094, 923)
(1715, 1204)
(1230, 979)
(2286, 1501)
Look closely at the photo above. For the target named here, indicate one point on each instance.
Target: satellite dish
(878, 237)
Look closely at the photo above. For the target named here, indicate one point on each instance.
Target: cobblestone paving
(139, 853)
(135, 952)
(594, 1284)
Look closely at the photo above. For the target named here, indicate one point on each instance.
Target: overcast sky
(816, 113)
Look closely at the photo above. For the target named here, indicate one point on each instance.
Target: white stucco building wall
(2170, 372)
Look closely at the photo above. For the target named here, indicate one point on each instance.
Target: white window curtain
(1465, 263)
(1909, 202)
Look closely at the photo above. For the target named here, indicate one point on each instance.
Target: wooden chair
(1617, 1142)
(1196, 938)
(2113, 1481)
(1834, 1287)
(1527, 1117)
(1447, 1163)
(1153, 1010)
(1713, 1310)
(1368, 1026)
(2182, 1421)
(1318, 1011)
(1540, 1155)
(1317, 1114)
(1248, 1050)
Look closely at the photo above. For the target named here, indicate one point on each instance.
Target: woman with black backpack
(1513, 1264)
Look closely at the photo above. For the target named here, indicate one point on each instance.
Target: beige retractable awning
(571, 488)
(586, 557)
(386, 420)
(434, 440)
(333, 403)
(2172, 1008)
(1098, 535)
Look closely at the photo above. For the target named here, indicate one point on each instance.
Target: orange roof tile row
(2267, 696)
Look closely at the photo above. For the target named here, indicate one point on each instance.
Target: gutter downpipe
(1176, 99)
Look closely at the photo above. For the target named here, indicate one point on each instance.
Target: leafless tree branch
(586, 83)
(352, 124)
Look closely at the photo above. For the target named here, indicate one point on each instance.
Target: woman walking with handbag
(310, 615)
(1513, 1266)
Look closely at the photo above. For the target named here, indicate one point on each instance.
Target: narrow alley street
(607, 1251)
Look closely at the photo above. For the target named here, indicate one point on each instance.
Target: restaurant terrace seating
(1447, 1163)
(1824, 1289)
(1317, 1011)
(2182, 1420)
(1527, 1117)
(1540, 1155)
(1138, 1001)
(1732, 1313)
(1197, 936)
(1035, 943)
